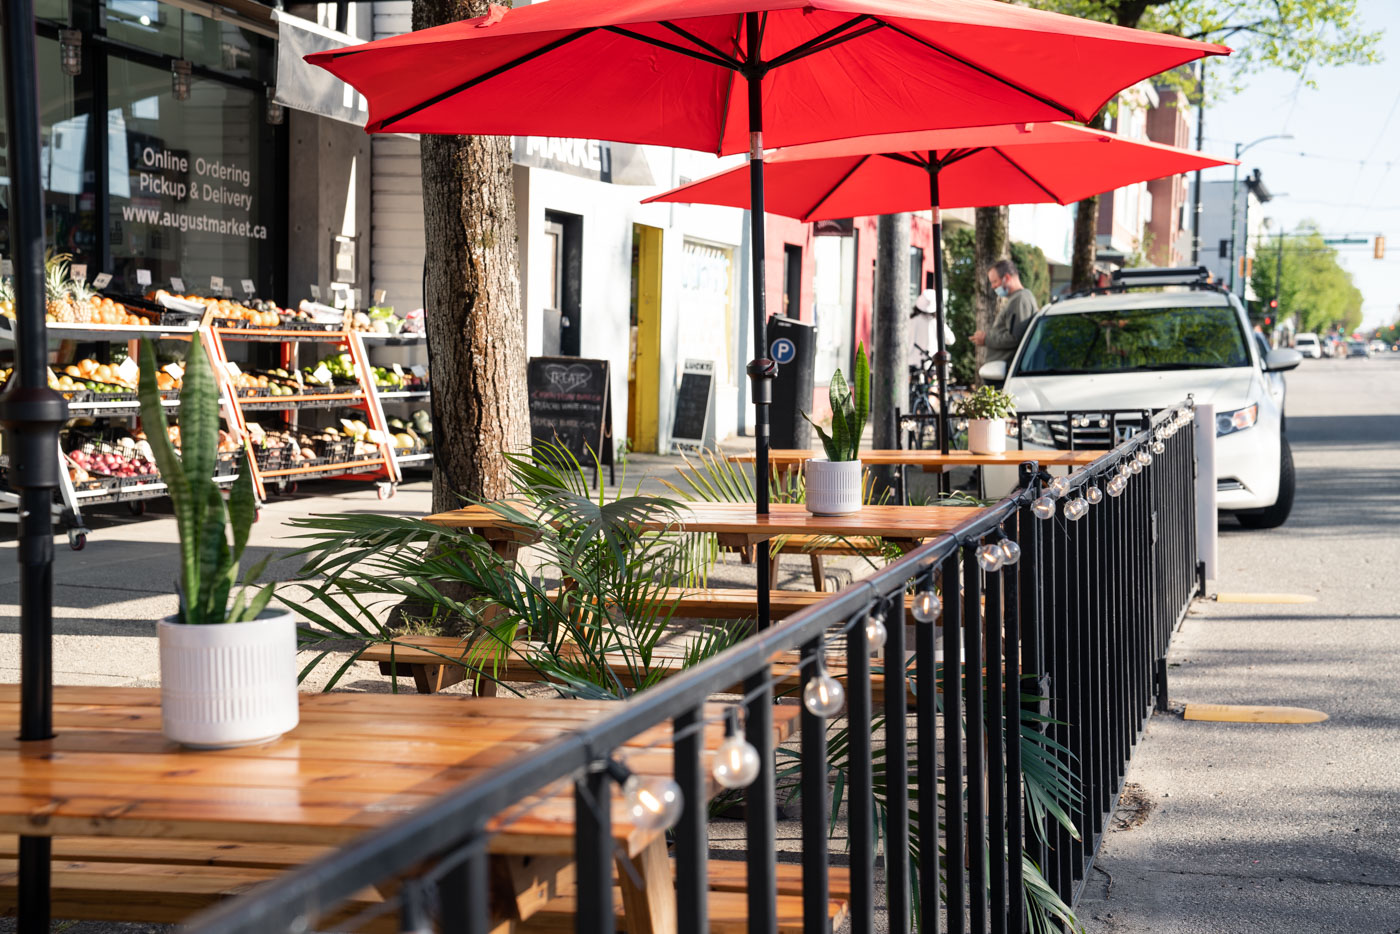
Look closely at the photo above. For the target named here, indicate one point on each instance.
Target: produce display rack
(414, 459)
(382, 466)
(69, 501)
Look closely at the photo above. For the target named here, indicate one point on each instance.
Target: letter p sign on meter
(784, 351)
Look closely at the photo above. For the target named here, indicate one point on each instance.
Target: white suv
(1115, 349)
(1308, 345)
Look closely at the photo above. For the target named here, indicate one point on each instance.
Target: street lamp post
(1241, 149)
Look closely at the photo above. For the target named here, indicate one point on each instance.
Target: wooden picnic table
(784, 459)
(355, 762)
(738, 525)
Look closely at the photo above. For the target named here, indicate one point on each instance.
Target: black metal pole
(941, 359)
(1196, 187)
(761, 369)
(32, 414)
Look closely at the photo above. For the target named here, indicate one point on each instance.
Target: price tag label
(248, 286)
(419, 370)
(128, 370)
(78, 271)
(174, 371)
(296, 374)
(233, 369)
(7, 268)
(380, 295)
(143, 277)
(228, 292)
(102, 280)
(398, 370)
(315, 293)
(177, 284)
(216, 283)
(321, 375)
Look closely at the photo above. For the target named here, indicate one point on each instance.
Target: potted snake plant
(228, 673)
(834, 482)
(986, 411)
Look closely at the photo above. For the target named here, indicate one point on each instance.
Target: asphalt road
(1283, 828)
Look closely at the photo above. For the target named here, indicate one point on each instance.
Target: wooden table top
(740, 520)
(788, 457)
(355, 761)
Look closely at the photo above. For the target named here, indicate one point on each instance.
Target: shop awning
(308, 88)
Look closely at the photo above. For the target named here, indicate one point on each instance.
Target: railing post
(761, 805)
(976, 741)
(464, 897)
(593, 851)
(692, 844)
(896, 770)
(815, 882)
(861, 780)
(952, 748)
(926, 724)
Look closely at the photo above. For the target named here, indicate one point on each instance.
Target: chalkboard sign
(689, 428)
(570, 405)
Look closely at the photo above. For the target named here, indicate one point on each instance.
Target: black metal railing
(1052, 609)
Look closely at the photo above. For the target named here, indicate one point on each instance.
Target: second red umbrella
(962, 168)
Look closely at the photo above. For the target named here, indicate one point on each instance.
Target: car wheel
(1275, 515)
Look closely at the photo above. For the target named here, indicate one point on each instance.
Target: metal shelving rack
(422, 459)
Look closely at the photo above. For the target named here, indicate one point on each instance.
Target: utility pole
(1200, 136)
(1241, 149)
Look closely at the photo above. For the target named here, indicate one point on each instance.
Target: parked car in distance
(1308, 345)
(1379, 346)
(1358, 349)
(1119, 349)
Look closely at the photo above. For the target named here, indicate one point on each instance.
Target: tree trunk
(989, 244)
(890, 374)
(476, 330)
(1086, 234)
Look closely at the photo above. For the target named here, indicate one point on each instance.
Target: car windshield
(1115, 340)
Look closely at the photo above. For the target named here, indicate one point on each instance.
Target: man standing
(1013, 319)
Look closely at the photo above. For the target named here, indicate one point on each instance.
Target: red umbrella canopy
(977, 167)
(676, 72)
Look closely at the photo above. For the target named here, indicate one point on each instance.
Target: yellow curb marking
(1233, 713)
(1264, 598)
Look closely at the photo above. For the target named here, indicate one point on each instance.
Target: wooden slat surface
(355, 762)
(896, 522)
(785, 458)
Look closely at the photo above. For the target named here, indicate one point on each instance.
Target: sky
(1342, 167)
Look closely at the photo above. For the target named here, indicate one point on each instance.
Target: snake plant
(208, 561)
(850, 409)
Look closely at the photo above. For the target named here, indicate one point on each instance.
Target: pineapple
(83, 294)
(58, 288)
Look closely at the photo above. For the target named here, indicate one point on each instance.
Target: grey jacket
(1010, 325)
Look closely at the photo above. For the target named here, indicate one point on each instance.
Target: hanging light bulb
(1058, 487)
(989, 558)
(1010, 551)
(1135, 467)
(1103, 423)
(1144, 457)
(1125, 468)
(1076, 509)
(875, 631)
(823, 696)
(654, 802)
(180, 79)
(1158, 447)
(927, 605)
(1116, 487)
(1044, 507)
(736, 759)
(1094, 495)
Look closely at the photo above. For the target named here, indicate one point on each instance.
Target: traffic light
(1273, 303)
(1380, 246)
(1268, 320)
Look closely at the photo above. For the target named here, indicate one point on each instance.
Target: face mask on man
(1001, 291)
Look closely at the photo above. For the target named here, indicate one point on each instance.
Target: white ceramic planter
(986, 435)
(233, 684)
(833, 487)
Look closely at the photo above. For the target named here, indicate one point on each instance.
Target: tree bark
(990, 244)
(475, 326)
(890, 374)
(1086, 234)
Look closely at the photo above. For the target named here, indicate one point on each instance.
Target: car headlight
(1227, 423)
(1037, 432)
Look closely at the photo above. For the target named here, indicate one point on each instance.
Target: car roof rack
(1155, 277)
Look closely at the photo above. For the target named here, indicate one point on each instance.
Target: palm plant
(596, 637)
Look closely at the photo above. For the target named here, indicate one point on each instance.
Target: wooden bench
(436, 662)
(167, 881)
(815, 547)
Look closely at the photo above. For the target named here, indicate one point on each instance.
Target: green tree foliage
(1314, 286)
(1034, 269)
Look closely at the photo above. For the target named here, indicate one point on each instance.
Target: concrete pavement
(1281, 828)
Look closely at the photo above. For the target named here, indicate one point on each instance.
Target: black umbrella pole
(942, 358)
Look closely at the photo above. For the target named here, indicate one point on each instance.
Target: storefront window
(65, 162)
(194, 190)
(215, 44)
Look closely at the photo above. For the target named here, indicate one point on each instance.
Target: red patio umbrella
(962, 168)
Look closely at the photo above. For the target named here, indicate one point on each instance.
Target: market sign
(618, 163)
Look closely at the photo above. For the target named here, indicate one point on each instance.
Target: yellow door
(644, 374)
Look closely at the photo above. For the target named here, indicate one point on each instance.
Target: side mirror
(995, 371)
(1282, 359)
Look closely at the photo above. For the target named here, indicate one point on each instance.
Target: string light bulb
(1059, 487)
(875, 631)
(1144, 456)
(927, 605)
(823, 696)
(1044, 507)
(654, 802)
(1075, 509)
(1158, 447)
(1135, 467)
(1116, 487)
(736, 760)
(1010, 551)
(1094, 495)
(989, 558)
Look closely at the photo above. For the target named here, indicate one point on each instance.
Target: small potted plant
(986, 411)
(834, 482)
(228, 672)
